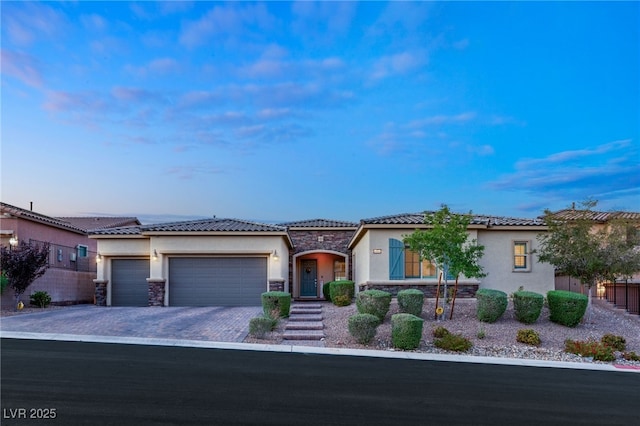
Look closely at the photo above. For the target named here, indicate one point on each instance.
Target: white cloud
(22, 66)
(398, 64)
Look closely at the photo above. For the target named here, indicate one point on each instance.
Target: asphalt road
(115, 384)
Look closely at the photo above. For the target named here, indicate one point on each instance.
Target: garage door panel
(129, 285)
(217, 281)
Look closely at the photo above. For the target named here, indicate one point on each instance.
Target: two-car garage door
(217, 281)
(193, 281)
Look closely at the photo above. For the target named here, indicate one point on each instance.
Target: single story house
(72, 265)
(230, 262)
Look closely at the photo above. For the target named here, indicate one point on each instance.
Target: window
(83, 251)
(521, 261)
(404, 263)
(339, 270)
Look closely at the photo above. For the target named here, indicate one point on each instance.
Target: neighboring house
(72, 266)
(624, 293)
(382, 261)
(230, 262)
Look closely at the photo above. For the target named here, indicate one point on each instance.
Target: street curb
(416, 356)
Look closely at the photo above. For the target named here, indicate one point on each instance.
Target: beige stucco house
(382, 261)
(230, 262)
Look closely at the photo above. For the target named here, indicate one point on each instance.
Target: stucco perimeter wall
(498, 263)
(64, 287)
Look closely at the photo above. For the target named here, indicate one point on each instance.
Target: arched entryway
(314, 268)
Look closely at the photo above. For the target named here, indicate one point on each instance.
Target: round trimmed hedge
(491, 304)
(527, 306)
(410, 301)
(363, 327)
(406, 331)
(276, 301)
(374, 302)
(341, 292)
(566, 307)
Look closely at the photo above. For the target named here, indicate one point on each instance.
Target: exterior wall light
(98, 258)
(13, 241)
(377, 251)
(275, 255)
(155, 254)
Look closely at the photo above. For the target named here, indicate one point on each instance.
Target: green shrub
(453, 342)
(40, 298)
(631, 356)
(326, 291)
(406, 331)
(260, 326)
(341, 292)
(481, 334)
(590, 348)
(410, 301)
(617, 343)
(491, 304)
(440, 331)
(3, 282)
(276, 302)
(566, 307)
(374, 302)
(528, 336)
(363, 327)
(527, 306)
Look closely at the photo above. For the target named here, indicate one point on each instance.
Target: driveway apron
(219, 324)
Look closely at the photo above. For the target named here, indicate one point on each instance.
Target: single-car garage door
(217, 281)
(129, 282)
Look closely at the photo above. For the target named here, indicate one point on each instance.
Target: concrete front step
(304, 325)
(306, 317)
(303, 335)
(306, 306)
(305, 312)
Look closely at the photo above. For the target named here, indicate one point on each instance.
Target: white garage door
(217, 281)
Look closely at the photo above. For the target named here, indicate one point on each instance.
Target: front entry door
(309, 278)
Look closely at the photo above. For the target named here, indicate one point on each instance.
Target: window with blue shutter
(396, 259)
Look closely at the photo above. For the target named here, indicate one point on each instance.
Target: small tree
(22, 265)
(575, 248)
(447, 245)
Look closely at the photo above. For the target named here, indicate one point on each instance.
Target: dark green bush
(260, 326)
(374, 302)
(410, 301)
(40, 298)
(453, 342)
(631, 356)
(406, 331)
(440, 331)
(528, 336)
(566, 307)
(326, 291)
(590, 348)
(3, 282)
(341, 292)
(527, 306)
(491, 304)
(276, 303)
(363, 327)
(617, 343)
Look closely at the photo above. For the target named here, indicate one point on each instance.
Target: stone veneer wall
(156, 291)
(101, 292)
(332, 239)
(276, 285)
(429, 290)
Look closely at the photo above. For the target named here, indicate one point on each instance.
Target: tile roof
(571, 214)
(203, 225)
(100, 222)
(418, 219)
(320, 223)
(37, 217)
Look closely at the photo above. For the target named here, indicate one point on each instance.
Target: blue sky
(288, 111)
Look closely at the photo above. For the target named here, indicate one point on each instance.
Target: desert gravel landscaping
(500, 337)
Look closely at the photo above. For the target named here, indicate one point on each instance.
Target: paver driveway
(219, 324)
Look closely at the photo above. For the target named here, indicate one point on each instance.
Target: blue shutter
(396, 259)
